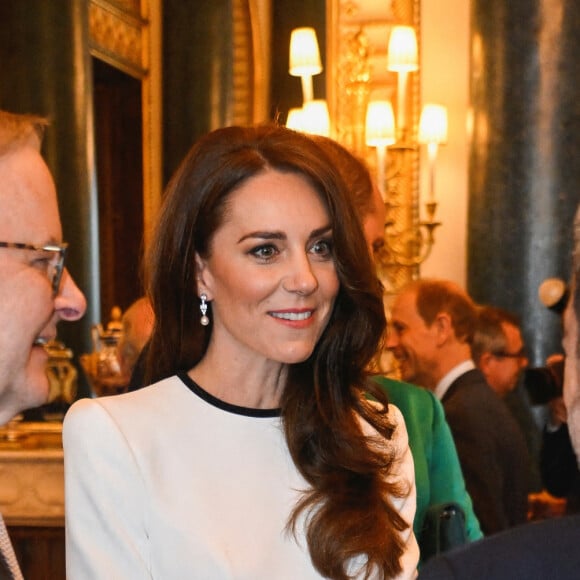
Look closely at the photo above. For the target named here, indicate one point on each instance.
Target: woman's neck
(252, 382)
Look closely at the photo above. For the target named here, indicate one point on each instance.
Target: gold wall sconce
(373, 102)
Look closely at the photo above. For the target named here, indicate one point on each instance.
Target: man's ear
(443, 328)
(484, 361)
(203, 277)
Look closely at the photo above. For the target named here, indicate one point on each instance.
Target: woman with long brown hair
(254, 453)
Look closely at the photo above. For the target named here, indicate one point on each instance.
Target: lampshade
(403, 55)
(380, 124)
(433, 124)
(304, 53)
(296, 119)
(315, 117)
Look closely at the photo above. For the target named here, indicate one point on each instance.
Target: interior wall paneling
(197, 74)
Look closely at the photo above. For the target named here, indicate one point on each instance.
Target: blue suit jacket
(544, 550)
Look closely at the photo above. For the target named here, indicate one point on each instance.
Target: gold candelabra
(364, 81)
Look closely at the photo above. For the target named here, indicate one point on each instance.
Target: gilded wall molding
(126, 34)
(116, 31)
(357, 42)
(251, 62)
(243, 64)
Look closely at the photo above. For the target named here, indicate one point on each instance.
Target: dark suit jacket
(492, 452)
(559, 468)
(535, 551)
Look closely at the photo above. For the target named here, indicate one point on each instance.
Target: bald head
(137, 322)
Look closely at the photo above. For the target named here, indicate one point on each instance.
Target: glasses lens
(57, 266)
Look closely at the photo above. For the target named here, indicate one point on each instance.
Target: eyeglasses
(53, 260)
(503, 354)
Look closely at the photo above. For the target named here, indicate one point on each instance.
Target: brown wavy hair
(347, 508)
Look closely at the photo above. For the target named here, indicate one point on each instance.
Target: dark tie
(9, 568)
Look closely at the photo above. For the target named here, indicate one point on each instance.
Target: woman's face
(270, 275)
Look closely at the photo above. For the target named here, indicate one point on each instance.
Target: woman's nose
(70, 302)
(301, 277)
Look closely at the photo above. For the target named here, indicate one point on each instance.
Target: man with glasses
(498, 351)
(432, 326)
(498, 348)
(36, 290)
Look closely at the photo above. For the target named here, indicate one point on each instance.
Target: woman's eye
(322, 248)
(264, 252)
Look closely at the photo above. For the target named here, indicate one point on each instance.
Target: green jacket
(438, 475)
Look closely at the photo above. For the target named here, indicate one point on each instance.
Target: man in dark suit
(546, 549)
(431, 331)
(539, 550)
(499, 352)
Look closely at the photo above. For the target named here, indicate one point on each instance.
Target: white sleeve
(408, 504)
(402, 473)
(105, 513)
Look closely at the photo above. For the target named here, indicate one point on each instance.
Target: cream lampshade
(315, 117)
(304, 58)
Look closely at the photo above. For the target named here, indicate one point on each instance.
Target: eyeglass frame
(58, 249)
(503, 354)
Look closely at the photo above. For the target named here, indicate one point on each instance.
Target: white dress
(170, 483)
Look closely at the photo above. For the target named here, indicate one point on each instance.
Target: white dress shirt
(444, 384)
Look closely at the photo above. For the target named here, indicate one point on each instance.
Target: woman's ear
(203, 277)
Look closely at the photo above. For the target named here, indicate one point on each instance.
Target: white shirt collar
(455, 372)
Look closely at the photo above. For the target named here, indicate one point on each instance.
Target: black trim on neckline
(215, 402)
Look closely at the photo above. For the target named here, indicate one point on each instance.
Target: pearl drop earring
(203, 309)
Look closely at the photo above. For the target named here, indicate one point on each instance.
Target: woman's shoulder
(152, 397)
(105, 421)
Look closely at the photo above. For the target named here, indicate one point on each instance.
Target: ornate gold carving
(116, 30)
(357, 40)
(243, 58)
